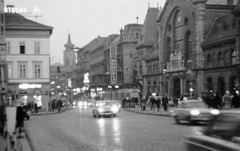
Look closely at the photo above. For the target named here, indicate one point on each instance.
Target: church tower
(69, 54)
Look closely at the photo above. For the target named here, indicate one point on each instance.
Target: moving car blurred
(105, 107)
(223, 133)
(193, 111)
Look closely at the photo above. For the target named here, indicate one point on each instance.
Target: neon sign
(35, 11)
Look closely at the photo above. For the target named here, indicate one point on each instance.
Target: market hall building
(198, 46)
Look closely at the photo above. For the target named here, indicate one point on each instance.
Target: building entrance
(176, 87)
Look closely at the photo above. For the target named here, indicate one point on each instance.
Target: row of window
(23, 70)
(220, 59)
(152, 69)
(22, 48)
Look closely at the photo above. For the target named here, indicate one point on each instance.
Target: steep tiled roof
(222, 30)
(16, 21)
(149, 31)
(153, 54)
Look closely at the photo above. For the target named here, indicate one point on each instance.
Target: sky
(85, 19)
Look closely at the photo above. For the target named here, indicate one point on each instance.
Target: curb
(30, 141)
(147, 113)
(48, 113)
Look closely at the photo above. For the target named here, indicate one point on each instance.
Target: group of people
(130, 103)
(155, 101)
(55, 104)
(227, 101)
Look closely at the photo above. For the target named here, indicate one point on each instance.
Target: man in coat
(165, 102)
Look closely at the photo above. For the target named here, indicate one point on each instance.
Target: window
(188, 49)
(226, 58)
(37, 47)
(2, 30)
(2, 18)
(186, 21)
(154, 68)
(22, 47)
(209, 61)
(137, 35)
(214, 60)
(233, 58)
(9, 66)
(220, 59)
(22, 70)
(8, 48)
(229, 2)
(37, 70)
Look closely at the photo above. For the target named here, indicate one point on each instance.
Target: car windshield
(104, 103)
(193, 104)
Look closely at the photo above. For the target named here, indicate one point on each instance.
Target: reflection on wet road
(77, 129)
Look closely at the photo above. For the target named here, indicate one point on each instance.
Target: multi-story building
(183, 27)
(129, 37)
(28, 56)
(147, 56)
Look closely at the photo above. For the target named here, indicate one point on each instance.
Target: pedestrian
(144, 101)
(152, 103)
(227, 101)
(217, 101)
(165, 102)
(59, 105)
(235, 101)
(136, 102)
(124, 102)
(20, 116)
(158, 103)
(175, 101)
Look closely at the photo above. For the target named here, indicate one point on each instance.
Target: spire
(69, 43)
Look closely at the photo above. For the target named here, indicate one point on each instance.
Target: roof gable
(16, 21)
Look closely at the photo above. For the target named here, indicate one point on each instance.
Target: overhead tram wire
(139, 9)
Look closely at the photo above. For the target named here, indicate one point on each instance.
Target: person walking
(217, 101)
(158, 102)
(227, 101)
(165, 102)
(144, 101)
(20, 116)
(59, 105)
(235, 101)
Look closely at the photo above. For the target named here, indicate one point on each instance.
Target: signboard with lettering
(113, 64)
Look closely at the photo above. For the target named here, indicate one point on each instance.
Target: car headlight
(115, 109)
(195, 112)
(100, 109)
(215, 112)
(80, 103)
(74, 103)
(85, 103)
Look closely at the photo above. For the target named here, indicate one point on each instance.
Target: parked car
(223, 133)
(105, 107)
(193, 111)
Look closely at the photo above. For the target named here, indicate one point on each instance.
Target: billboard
(113, 64)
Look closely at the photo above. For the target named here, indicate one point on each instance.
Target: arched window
(186, 21)
(188, 49)
(225, 58)
(220, 59)
(168, 48)
(233, 57)
(169, 28)
(214, 60)
(178, 27)
(148, 68)
(209, 61)
(154, 69)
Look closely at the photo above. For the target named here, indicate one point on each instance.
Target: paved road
(76, 130)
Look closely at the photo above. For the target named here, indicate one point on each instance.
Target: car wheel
(177, 120)
(99, 116)
(114, 115)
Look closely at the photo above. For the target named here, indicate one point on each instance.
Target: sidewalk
(150, 112)
(25, 144)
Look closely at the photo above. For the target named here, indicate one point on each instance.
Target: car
(105, 107)
(223, 133)
(193, 111)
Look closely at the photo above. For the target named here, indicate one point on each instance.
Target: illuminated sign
(113, 64)
(29, 86)
(86, 78)
(69, 83)
(35, 11)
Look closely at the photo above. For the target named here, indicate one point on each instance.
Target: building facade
(28, 56)
(147, 56)
(183, 26)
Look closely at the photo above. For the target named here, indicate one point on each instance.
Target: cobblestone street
(76, 130)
